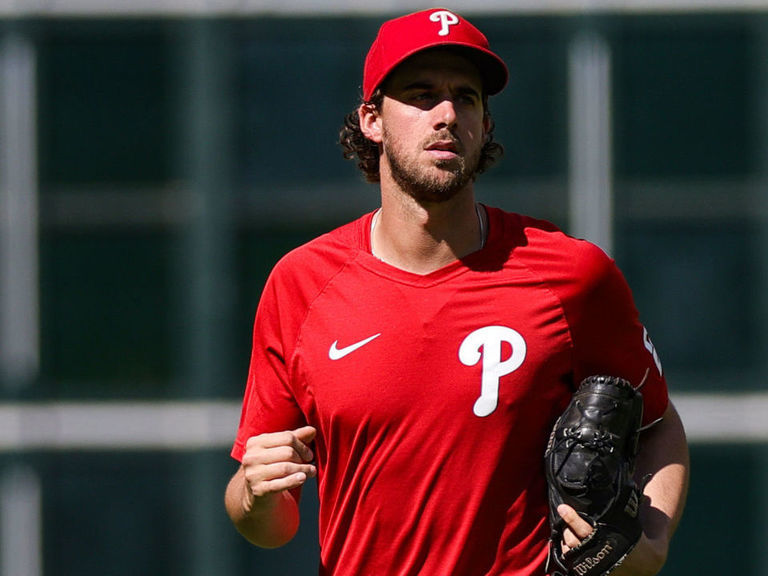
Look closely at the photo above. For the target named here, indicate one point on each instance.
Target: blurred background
(157, 158)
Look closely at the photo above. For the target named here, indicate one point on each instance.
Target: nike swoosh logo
(337, 353)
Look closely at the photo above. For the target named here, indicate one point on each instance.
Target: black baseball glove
(590, 465)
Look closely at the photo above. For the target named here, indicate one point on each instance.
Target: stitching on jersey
(310, 307)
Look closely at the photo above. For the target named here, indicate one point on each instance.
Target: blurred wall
(172, 161)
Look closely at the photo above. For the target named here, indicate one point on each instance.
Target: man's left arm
(664, 455)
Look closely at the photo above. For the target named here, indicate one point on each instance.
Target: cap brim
(492, 68)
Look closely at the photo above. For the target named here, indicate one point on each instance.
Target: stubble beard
(436, 183)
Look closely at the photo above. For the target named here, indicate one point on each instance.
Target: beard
(438, 182)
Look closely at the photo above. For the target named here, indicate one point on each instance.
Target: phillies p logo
(486, 344)
(446, 19)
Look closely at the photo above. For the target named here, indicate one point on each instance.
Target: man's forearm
(269, 522)
(664, 454)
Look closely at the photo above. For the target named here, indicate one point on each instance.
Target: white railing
(203, 425)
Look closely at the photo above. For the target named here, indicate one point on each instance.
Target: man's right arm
(258, 498)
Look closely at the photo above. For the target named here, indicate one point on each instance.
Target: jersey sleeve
(276, 397)
(269, 404)
(608, 337)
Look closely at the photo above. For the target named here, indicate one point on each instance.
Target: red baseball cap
(405, 36)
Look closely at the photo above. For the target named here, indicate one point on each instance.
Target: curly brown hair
(355, 145)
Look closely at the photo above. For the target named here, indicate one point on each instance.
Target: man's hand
(276, 462)
(646, 559)
(577, 530)
(258, 498)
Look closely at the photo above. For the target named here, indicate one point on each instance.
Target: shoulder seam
(311, 303)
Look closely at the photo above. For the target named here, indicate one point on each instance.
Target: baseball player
(415, 360)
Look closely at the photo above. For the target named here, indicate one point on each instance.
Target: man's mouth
(443, 146)
(445, 150)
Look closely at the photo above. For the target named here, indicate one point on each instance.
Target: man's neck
(423, 237)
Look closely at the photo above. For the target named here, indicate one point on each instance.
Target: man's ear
(487, 125)
(370, 122)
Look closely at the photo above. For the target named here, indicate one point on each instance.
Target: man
(416, 359)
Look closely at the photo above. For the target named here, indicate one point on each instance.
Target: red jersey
(433, 395)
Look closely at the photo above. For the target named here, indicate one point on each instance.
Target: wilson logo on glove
(583, 568)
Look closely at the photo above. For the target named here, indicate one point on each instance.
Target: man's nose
(444, 113)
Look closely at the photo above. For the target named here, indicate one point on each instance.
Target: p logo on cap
(407, 35)
(446, 19)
